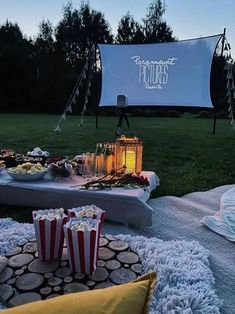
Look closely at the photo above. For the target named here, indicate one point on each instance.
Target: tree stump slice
(57, 288)
(103, 242)
(103, 285)
(30, 247)
(54, 295)
(14, 251)
(6, 292)
(29, 281)
(11, 281)
(110, 237)
(105, 253)
(48, 275)
(24, 267)
(20, 260)
(112, 264)
(63, 272)
(6, 274)
(3, 263)
(122, 275)
(137, 268)
(90, 283)
(24, 298)
(19, 272)
(100, 263)
(128, 257)
(43, 267)
(68, 279)
(79, 276)
(45, 291)
(100, 274)
(54, 281)
(75, 287)
(118, 245)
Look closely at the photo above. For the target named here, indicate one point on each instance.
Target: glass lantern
(128, 152)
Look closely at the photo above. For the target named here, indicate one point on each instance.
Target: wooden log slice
(128, 257)
(122, 275)
(68, 279)
(100, 263)
(100, 274)
(30, 247)
(90, 283)
(14, 251)
(24, 267)
(48, 275)
(24, 298)
(3, 263)
(29, 281)
(6, 292)
(20, 260)
(54, 281)
(118, 245)
(110, 237)
(104, 284)
(137, 268)
(103, 242)
(63, 272)
(11, 281)
(54, 295)
(64, 256)
(79, 276)
(45, 291)
(74, 287)
(57, 289)
(43, 267)
(19, 272)
(112, 264)
(6, 274)
(105, 253)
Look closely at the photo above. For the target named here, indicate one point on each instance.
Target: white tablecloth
(122, 205)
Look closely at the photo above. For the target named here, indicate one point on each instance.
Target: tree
(129, 31)
(156, 29)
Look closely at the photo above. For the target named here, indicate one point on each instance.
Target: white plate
(26, 176)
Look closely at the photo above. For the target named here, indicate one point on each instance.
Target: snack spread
(28, 168)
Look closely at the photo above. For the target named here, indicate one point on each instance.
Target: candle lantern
(128, 152)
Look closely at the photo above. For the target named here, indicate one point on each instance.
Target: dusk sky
(188, 18)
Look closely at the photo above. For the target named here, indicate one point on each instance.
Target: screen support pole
(221, 57)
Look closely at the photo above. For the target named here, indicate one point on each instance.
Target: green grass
(182, 151)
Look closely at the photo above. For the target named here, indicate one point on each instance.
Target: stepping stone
(24, 298)
(110, 237)
(68, 279)
(20, 260)
(128, 257)
(14, 251)
(79, 276)
(6, 274)
(105, 253)
(43, 267)
(54, 281)
(45, 291)
(19, 272)
(103, 242)
(57, 289)
(137, 268)
(48, 275)
(122, 275)
(3, 263)
(30, 247)
(118, 245)
(100, 263)
(63, 272)
(6, 292)
(29, 281)
(100, 274)
(104, 284)
(75, 287)
(112, 264)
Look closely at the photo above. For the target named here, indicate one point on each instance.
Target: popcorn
(82, 225)
(51, 214)
(28, 168)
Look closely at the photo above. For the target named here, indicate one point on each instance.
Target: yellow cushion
(129, 298)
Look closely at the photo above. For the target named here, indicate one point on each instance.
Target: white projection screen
(166, 74)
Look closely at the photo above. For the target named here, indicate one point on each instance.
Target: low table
(122, 205)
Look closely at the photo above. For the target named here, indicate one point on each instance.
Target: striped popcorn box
(82, 239)
(49, 233)
(88, 211)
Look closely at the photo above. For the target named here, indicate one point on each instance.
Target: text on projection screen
(168, 74)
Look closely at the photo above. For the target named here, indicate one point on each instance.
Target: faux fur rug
(185, 281)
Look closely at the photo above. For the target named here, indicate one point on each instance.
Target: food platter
(26, 176)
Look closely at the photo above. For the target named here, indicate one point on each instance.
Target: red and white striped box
(82, 244)
(49, 234)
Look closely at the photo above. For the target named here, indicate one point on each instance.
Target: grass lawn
(182, 151)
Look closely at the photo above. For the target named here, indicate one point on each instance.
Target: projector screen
(168, 74)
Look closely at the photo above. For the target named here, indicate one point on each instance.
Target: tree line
(37, 75)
